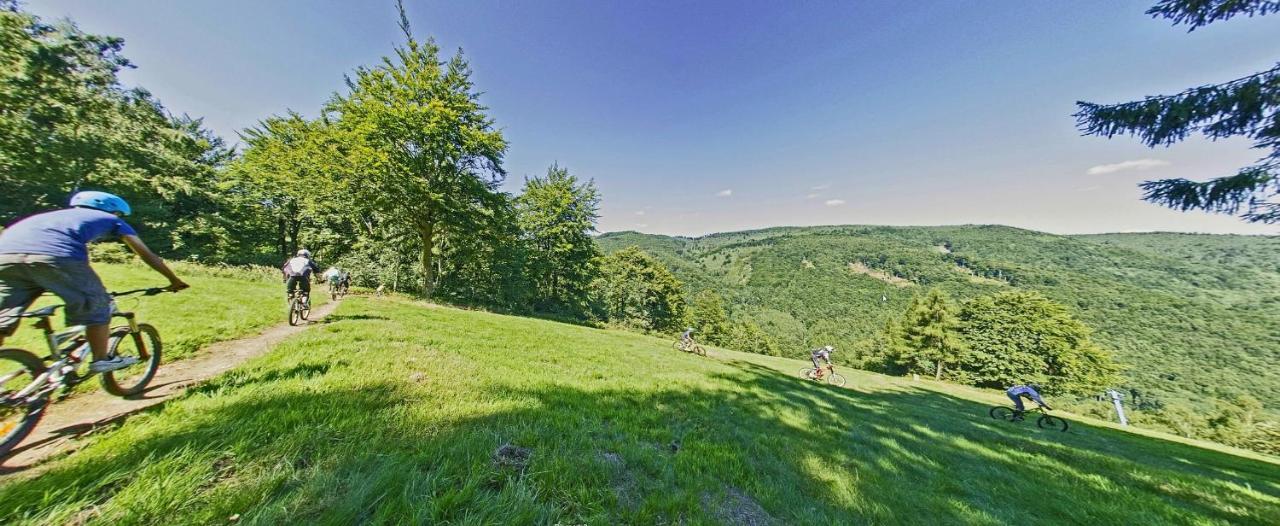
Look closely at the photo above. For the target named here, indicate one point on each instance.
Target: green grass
(390, 413)
(221, 304)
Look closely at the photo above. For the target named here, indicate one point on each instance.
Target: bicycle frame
(60, 358)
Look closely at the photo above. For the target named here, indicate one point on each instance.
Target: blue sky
(698, 117)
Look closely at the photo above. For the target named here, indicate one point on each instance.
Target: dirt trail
(81, 415)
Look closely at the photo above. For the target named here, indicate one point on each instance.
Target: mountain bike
(299, 307)
(689, 347)
(1046, 420)
(811, 373)
(27, 382)
(336, 291)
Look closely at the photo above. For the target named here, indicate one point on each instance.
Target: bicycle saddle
(41, 313)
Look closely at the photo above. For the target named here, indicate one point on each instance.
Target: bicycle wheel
(1051, 422)
(698, 350)
(295, 312)
(807, 373)
(677, 346)
(306, 308)
(835, 379)
(1001, 413)
(18, 417)
(143, 345)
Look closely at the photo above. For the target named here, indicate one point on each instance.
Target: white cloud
(642, 225)
(724, 193)
(821, 187)
(1136, 164)
(639, 212)
(1088, 188)
(814, 195)
(834, 202)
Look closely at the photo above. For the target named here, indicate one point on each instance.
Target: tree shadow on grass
(299, 447)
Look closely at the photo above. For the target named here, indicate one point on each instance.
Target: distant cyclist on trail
(821, 353)
(49, 252)
(1030, 391)
(297, 274)
(332, 276)
(686, 339)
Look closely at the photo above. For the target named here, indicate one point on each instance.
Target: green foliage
(1243, 107)
(557, 215)
(636, 290)
(426, 154)
(709, 319)
(67, 124)
(931, 335)
(1022, 337)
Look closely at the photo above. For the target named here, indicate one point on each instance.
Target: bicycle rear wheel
(1051, 422)
(807, 373)
(18, 417)
(1001, 413)
(143, 345)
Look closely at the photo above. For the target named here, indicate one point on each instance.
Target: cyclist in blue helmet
(49, 252)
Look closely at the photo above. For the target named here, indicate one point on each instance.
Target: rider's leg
(290, 284)
(305, 284)
(1017, 403)
(87, 300)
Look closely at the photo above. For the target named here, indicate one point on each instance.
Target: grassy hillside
(221, 304)
(1195, 318)
(393, 412)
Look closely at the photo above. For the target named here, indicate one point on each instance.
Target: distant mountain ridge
(1193, 317)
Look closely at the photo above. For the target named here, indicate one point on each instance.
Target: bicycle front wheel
(18, 415)
(835, 379)
(698, 350)
(1052, 423)
(1001, 413)
(144, 346)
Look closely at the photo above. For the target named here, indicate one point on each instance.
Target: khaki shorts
(24, 277)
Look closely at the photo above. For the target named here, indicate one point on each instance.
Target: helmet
(304, 253)
(829, 348)
(690, 329)
(103, 201)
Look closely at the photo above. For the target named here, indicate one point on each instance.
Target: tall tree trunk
(938, 374)
(427, 231)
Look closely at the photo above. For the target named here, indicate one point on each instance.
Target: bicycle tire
(306, 308)
(295, 314)
(1001, 413)
(807, 373)
(146, 347)
(698, 350)
(27, 415)
(1052, 422)
(677, 346)
(836, 379)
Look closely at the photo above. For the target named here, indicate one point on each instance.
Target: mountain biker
(49, 252)
(821, 353)
(344, 282)
(1031, 391)
(686, 339)
(297, 274)
(331, 277)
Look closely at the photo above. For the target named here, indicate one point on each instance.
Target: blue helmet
(101, 201)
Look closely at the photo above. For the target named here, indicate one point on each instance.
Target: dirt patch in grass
(735, 508)
(512, 457)
(859, 268)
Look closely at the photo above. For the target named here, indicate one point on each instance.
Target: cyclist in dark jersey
(1016, 393)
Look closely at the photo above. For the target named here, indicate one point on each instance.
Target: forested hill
(1193, 318)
